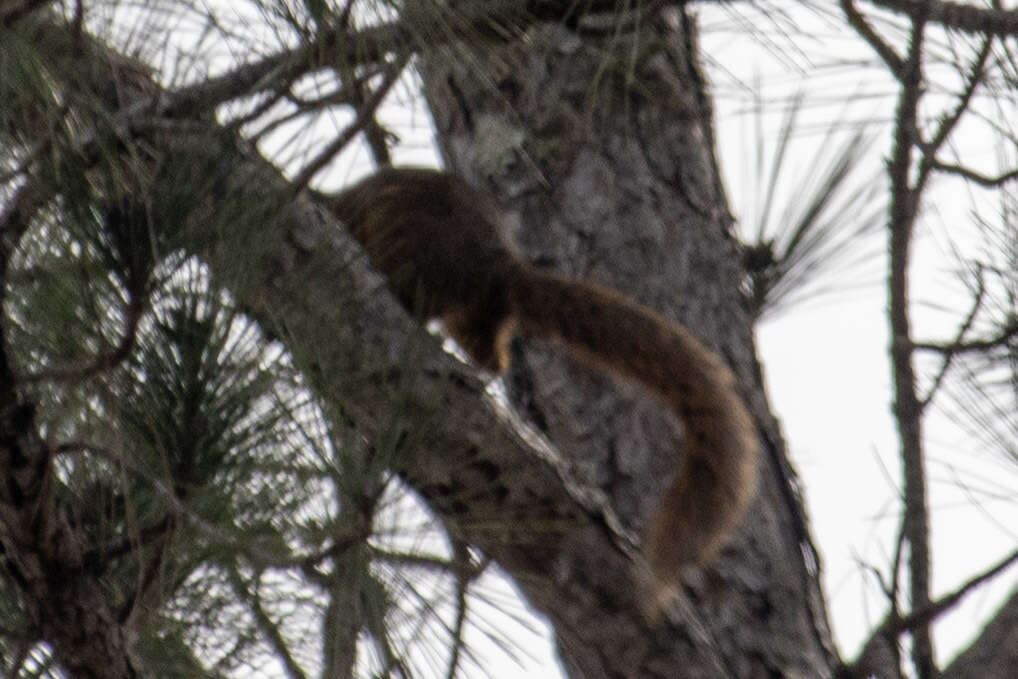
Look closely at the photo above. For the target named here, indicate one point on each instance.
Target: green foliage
(224, 517)
(809, 240)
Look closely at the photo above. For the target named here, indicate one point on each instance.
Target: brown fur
(439, 242)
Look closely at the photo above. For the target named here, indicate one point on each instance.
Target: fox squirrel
(439, 242)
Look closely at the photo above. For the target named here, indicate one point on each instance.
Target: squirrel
(440, 244)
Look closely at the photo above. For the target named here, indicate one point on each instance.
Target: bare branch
(461, 555)
(977, 177)
(1003, 338)
(476, 23)
(907, 408)
(365, 114)
(884, 636)
(949, 122)
(862, 27)
(967, 18)
(935, 609)
(948, 352)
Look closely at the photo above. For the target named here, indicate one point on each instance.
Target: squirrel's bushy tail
(716, 478)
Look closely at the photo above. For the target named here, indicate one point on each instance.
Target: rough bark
(640, 168)
(496, 485)
(602, 143)
(994, 653)
(44, 553)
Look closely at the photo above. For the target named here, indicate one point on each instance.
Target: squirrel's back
(439, 243)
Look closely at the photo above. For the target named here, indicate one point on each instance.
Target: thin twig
(101, 363)
(972, 175)
(952, 350)
(176, 506)
(267, 626)
(893, 624)
(935, 609)
(481, 23)
(899, 551)
(1001, 339)
(149, 572)
(365, 113)
(975, 78)
(461, 555)
(962, 17)
(867, 33)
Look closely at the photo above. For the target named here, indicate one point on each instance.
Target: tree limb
(977, 177)
(907, 408)
(298, 274)
(958, 16)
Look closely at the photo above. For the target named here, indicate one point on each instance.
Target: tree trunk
(623, 144)
(602, 143)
